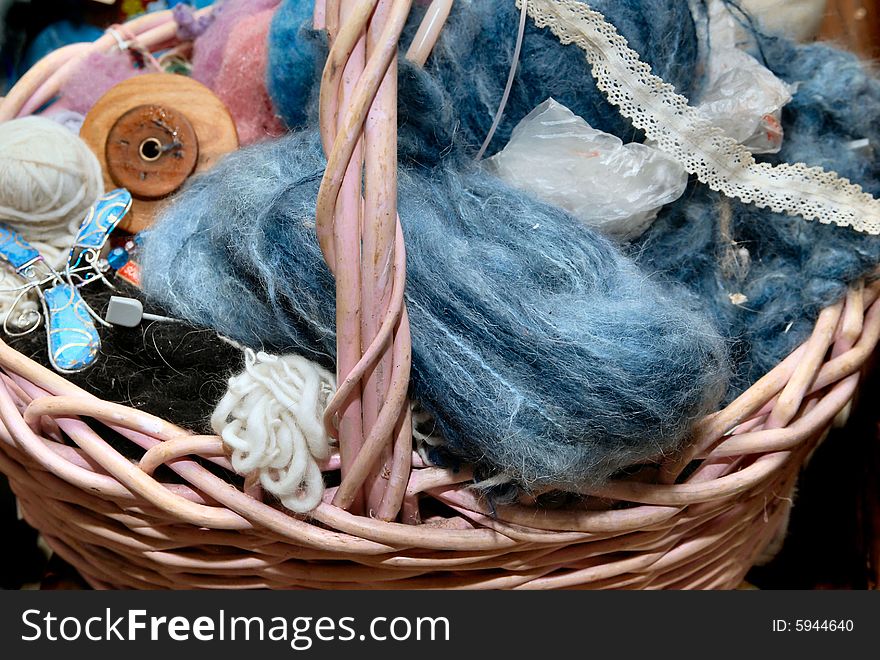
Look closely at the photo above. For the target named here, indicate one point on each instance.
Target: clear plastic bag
(796, 19)
(741, 96)
(616, 188)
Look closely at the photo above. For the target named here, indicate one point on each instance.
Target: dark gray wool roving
(794, 267)
(172, 370)
(450, 104)
(542, 352)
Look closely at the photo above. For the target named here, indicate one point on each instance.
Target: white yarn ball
(48, 180)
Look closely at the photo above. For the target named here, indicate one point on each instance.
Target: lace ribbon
(666, 118)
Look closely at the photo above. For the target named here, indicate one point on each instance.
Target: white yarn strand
(271, 418)
(511, 76)
(668, 120)
(10, 287)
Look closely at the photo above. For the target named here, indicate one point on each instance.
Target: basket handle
(360, 235)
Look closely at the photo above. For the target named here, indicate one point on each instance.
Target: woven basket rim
(746, 452)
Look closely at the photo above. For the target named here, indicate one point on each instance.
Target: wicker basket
(395, 522)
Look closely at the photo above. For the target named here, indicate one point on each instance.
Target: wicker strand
(377, 276)
(347, 222)
(384, 350)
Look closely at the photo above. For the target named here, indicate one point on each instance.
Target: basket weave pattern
(394, 522)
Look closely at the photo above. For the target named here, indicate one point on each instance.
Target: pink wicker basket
(395, 522)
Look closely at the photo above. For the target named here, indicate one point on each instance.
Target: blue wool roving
(296, 57)
(454, 98)
(793, 267)
(837, 101)
(542, 352)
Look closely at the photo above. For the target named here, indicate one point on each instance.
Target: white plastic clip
(129, 312)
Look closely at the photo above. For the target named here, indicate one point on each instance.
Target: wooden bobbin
(152, 132)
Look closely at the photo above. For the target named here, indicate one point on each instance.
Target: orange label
(131, 273)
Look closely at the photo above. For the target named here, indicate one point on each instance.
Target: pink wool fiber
(241, 81)
(209, 48)
(94, 77)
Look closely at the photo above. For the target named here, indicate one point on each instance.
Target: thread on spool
(192, 124)
(271, 420)
(127, 41)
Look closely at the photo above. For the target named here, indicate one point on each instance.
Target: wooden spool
(152, 132)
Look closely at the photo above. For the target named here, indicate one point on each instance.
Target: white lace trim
(666, 118)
